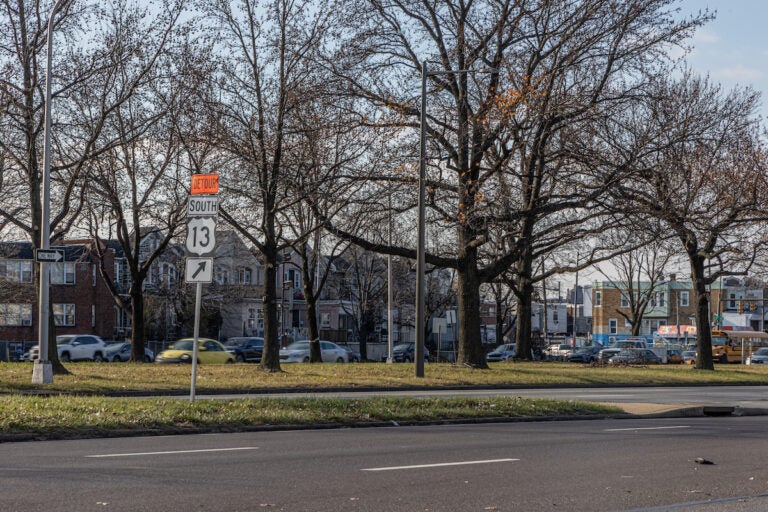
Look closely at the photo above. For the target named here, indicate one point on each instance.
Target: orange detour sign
(204, 184)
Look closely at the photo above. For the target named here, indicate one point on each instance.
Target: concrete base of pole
(42, 372)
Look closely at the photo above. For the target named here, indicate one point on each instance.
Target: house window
(221, 276)
(16, 271)
(168, 274)
(659, 299)
(732, 301)
(325, 319)
(624, 300)
(62, 272)
(244, 276)
(598, 299)
(555, 316)
(612, 326)
(15, 314)
(251, 322)
(685, 299)
(64, 314)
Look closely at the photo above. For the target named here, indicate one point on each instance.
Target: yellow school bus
(736, 346)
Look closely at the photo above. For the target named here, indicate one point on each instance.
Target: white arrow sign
(49, 255)
(201, 235)
(199, 270)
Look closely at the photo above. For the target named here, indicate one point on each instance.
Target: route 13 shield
(201, 235)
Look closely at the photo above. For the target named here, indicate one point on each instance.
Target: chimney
(672, 277)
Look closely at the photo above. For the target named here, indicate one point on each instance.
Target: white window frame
(64, 315)
(63, 272)
(685, 299)
(15, 314)
(325, 319)
(624, 300)
(613, 326)
(598, 299)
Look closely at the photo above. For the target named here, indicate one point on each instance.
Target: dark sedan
(585, 354)
(404, 353)
(246, 349)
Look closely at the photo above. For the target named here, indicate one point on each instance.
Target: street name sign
(199, 270)
(203, 206)
(49, 255)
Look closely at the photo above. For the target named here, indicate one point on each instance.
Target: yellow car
(208, 352)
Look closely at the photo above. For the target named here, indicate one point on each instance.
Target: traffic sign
(202, 206)
(201, 235)
(199, 270)
(49, 255)
(204, 184)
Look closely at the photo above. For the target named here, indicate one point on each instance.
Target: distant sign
(49, 255)
(204, 184)
(202, 206)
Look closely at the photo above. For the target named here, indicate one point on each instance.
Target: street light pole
(419, 348)
(42, 372)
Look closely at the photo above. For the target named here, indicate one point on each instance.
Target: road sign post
(202, 212)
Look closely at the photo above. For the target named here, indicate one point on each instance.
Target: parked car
(244, 349)
(298, 352)
(558, 352)
(635, 356)
(353, 356)
(585, 354)
(76, 347)
(404, 353)
(121, 352)
(689, 356)
(606, 354)
(501, 353)
(674, 356)
(759, 356)
(208, 352)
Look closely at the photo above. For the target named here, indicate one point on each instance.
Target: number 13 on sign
(201, 235)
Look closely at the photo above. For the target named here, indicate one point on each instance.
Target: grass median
(91, 400)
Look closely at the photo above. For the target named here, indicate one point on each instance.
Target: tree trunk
(704, 334)
(523, 345)
(137, 324)
(315, 354)
(271, 358)
(470, 345)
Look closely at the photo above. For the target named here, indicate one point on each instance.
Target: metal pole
(42, 372)
(390, 320)
(419, 348)
(196, 336)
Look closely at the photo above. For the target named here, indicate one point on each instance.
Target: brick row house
(80, 301)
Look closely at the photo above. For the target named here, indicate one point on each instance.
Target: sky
(733, 48)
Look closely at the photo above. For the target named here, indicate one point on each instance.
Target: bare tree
(137, 187)
(506, 160)
(90, 81)
(264, 77)
(705, 181)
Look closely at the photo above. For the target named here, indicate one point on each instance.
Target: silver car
(759, 356)
(298, 352)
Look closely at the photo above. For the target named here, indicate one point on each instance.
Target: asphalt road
(596, 465)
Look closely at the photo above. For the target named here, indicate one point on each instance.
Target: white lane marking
(420, 466)
(645, 428)
(174, 452)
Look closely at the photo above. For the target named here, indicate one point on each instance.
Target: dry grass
(130, 378)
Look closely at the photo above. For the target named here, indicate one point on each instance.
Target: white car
(298, 352)
(76, 347)
(759, 356)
